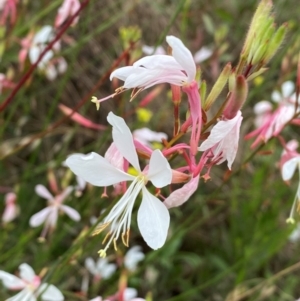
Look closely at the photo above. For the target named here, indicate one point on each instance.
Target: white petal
(51, 72)
(44, 35)
(158, 62)
(289, 168)
(262, 107)
(52, 293)
(287, 89)
(145, 135)
(122, 73)
(123, 139)
(150, 50)
(72, 213)
(40, 217)
(26, 272)
(43, 192)
(105, 269)
(10, 281)
(183, 56)
(96, 170)
(276, 96)
(91, 266)
(24, 295)
(218, 132)
(133, 257)
(129, 293)
(181, 195)
(34, 53)
(153, 220)
(203, 54)
(159, 173)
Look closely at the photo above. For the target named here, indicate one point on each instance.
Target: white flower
(101, 268)
(133, 256)
(49, 214)
(145, 136)
(156, 69)
(287, 89)
(224, 139)
(30, 284)
(153, 216)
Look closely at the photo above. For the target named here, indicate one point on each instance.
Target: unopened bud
(179, 177)
(237, 98)
(218, 87)
(275, 42)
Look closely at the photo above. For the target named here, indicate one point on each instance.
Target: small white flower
(49, 214)
(31, 286)
(101, 268)
(146, 136)
(224, 139)
(133, 256)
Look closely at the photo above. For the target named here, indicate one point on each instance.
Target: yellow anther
(106, 237)
(96, 101)
(102, 253)
(100, 228)
(115, 244)
(290, 220)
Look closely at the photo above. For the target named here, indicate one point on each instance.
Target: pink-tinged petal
(96, 170)
(40, 217)
(159, 173)
(181, 195)
(287, 89)
(61, 197)
(203, 54)
(114, 157)
(11, 211)
(218, 132)
(11, 282)
(52, 218)
(183, 56)
(80, 119)
(123, 139)
(43, 192)
(153, 220)
(50, 293)
(223, 140)
(10, 197)
(230, 147)
(289, 167)
(72, 213)
(26, 272)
